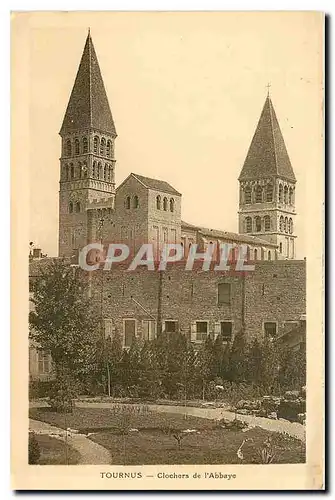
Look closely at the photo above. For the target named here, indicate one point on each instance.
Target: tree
(270, 365)
(220, 357)
(204, 364)
(292, 371)
(113, 358)
(64, 324)
(150, 376)
(237, 366)
(255, 362)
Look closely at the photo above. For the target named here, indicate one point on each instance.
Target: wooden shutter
(193, 331)
(217, 328)
(152, 331)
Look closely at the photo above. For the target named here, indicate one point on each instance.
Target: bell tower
(267, 187)
(87, 162)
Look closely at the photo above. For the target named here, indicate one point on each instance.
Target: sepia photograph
(172, 203)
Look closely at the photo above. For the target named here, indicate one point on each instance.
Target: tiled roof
(267, 155)
(216, 233)
(88, 107)
(156, 184)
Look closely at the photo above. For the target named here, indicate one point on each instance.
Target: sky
(186, 91)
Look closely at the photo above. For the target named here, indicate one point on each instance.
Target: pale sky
(186, 91)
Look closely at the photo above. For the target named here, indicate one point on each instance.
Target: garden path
(293, 429)
(90, 452)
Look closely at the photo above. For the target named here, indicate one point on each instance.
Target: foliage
(171, 367)
(33, 449)
(267, 452)
(292, 373)
(233, 425)
(62, 393)
(63, 323)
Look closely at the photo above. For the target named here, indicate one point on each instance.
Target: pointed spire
(267, 155)
(88, 107)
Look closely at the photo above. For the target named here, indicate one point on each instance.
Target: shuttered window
(226, 330)
(170, 326)
(224, 293)
(270, 329)
(148, 329)
(201, 330)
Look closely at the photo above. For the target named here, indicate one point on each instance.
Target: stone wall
(274, 292)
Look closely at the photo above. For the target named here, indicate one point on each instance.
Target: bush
(62, 396)
(290, 409)
(232, 425)
(34, 452)
(40, 389)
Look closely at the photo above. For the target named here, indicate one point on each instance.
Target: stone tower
(267, 187)
(87, 157)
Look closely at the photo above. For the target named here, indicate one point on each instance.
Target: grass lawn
(152, 444)
(53, 451)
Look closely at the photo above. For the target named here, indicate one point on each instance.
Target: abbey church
(142, 209)
(269, 301)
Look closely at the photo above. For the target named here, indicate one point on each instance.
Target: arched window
(67, 172)
(135, 201)
(255, 254)
(70, 207)
(76, 146)
(79, 170)
(72, 171)
(269, 192)
(290, 196)
(248, 225)
(96, 145)
(290, 226)
(280, 247)
(280, 193)
(85, 145)
(258, 224)
(171, 205)
(94, 173)
(269, 255)
(281, 224)
(128, 202)
(165, 204)
(100, 171)
(158, 202)
(259, 194)
(286, 225)
(78, 206)
(248, 253)
(285, 194)
(84, 169)
(105, 172)
(247, 195)
(68, 148)
(110, 173)
(109, 148)
(102, 146)
(267, 223)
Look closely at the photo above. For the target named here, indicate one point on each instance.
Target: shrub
(40, 389)
(62, 395)
(233, 425)
(290, 409)
(33, 449)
